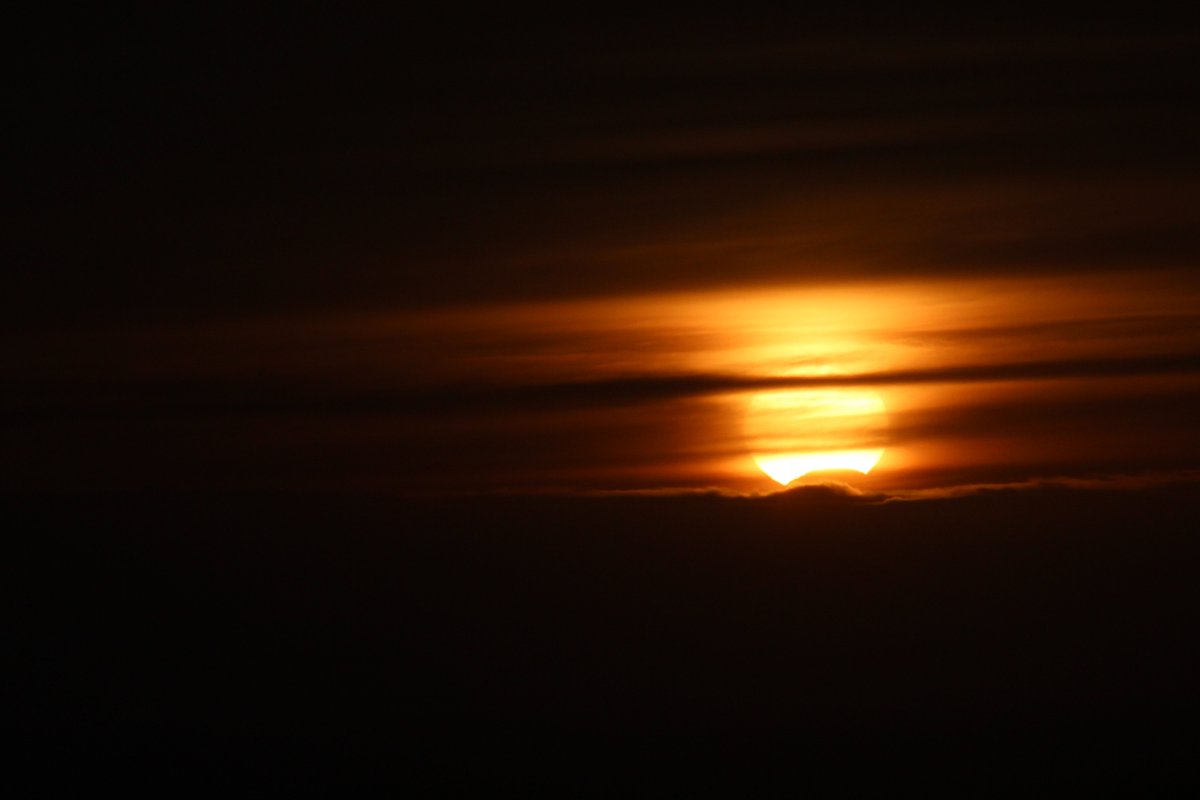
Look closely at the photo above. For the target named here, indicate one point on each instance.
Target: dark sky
(379, 398)
(208, 165)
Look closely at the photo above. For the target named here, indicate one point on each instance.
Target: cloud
(833, 493)
(275, 396)
(824, 491)
(656, 388)
(1098, 483)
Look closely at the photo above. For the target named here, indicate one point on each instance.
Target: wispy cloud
(269, 396)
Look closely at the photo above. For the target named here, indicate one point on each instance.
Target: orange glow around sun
(794, 433)
(739, 386)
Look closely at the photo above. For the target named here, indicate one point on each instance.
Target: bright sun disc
(793, 433)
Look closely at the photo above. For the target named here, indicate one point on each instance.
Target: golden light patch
(793, 433)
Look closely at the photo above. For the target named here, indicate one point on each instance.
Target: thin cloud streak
(649, 389)
(271, 397)
(839, 492)
(1118, 482)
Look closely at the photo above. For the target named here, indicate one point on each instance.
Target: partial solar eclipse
(794, 433)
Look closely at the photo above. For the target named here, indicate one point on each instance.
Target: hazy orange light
(793, 433)
(678, 432)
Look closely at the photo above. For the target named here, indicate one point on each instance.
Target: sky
(710, 380)
(367, 258)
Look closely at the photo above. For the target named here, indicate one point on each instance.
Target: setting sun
(793, 433)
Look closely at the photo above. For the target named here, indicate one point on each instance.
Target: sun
(796, 432)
